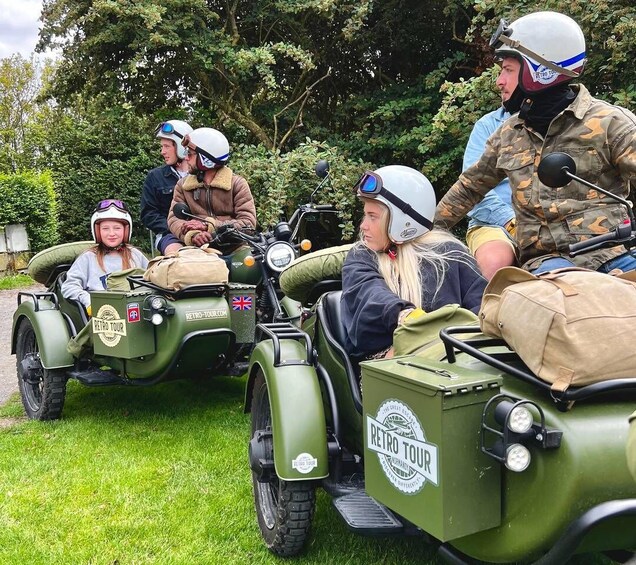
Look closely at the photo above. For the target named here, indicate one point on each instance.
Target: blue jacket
(370, 309)
(496, 208)
(156, 198)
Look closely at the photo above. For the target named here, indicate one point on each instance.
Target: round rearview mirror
(322, 168)
(555, 169)
(181, 210)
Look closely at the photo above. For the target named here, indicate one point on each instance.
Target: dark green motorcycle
(146, 334)
(460, 443)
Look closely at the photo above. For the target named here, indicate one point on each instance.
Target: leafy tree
(93, 154)
(19, 88)
(280, 182)
(261, 70)
(398, 81)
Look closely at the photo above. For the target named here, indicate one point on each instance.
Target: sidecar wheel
(285, 510)
(42, 390)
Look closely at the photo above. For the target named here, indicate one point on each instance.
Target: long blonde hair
(125, 250)
(403, 275)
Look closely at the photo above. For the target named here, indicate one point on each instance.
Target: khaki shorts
(478, 235)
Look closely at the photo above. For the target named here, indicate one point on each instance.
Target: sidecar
(138, 336)
(461, 444)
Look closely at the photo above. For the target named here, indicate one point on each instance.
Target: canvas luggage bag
(571, 327)
(190, 265)
(420, 335)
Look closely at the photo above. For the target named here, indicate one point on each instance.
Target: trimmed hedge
(29, 198)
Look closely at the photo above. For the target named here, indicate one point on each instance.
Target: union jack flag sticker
(241, 303)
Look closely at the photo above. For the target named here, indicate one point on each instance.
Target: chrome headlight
(157, 302)
(279, 255)
(156, 308)
(509, 426)
(516, 416)
(517, 457)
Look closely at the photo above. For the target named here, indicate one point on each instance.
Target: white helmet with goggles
(210, 145)
(175, 130)
(114, 210)
(407, 194)
(550, 47)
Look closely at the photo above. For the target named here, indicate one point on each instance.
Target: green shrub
(29, 198)
(280, 182)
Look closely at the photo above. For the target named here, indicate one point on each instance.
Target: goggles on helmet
(369, 185)
(503, 29)
(501, 37)
(202, 152)
(168, 129)
(105, 204)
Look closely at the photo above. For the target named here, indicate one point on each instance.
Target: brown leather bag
(190, 265)
(571, 327)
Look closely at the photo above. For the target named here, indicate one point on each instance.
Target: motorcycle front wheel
(285, 509)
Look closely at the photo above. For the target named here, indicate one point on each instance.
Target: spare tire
(42, 264)
(297, 280)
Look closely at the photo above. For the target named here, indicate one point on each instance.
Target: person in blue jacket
(400, 263)
(490, 235)
(156, 196)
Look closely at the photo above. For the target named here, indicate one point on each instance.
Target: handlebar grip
(593, 242)
(324, 207)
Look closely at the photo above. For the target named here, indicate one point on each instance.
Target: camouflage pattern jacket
(600, 137)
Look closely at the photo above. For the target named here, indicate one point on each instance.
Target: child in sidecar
(111, 226)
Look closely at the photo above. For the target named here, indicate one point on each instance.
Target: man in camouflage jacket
(600, 137)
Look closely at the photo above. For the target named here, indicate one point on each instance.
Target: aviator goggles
(369, 185)
(501, 37)
(167, 129)
(185, 141)
(110, 203)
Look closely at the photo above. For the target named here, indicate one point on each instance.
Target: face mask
(513, 104)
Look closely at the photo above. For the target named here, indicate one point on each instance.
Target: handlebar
(622, 234)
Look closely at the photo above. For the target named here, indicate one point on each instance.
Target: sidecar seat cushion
(42, 264)
(297, 280)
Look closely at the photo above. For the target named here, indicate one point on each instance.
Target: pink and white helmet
(111, 210)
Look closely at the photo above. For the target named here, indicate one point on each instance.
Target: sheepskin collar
(222, 180)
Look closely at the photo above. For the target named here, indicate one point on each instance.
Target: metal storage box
(422, 455)
(118, 326)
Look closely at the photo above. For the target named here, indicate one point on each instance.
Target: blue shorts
(625, 262)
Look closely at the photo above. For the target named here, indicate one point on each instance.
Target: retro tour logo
(396, 435)
(109, 326)
(304, 463)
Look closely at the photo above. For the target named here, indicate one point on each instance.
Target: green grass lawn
(15, 281)
(151, 475)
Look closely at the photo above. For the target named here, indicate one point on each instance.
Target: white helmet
(407, 194)
(210, 145)
(174, 130)
(111, 210)
(550, 47)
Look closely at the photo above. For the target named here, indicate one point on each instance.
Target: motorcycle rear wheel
(42, 390)
(285, 509)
